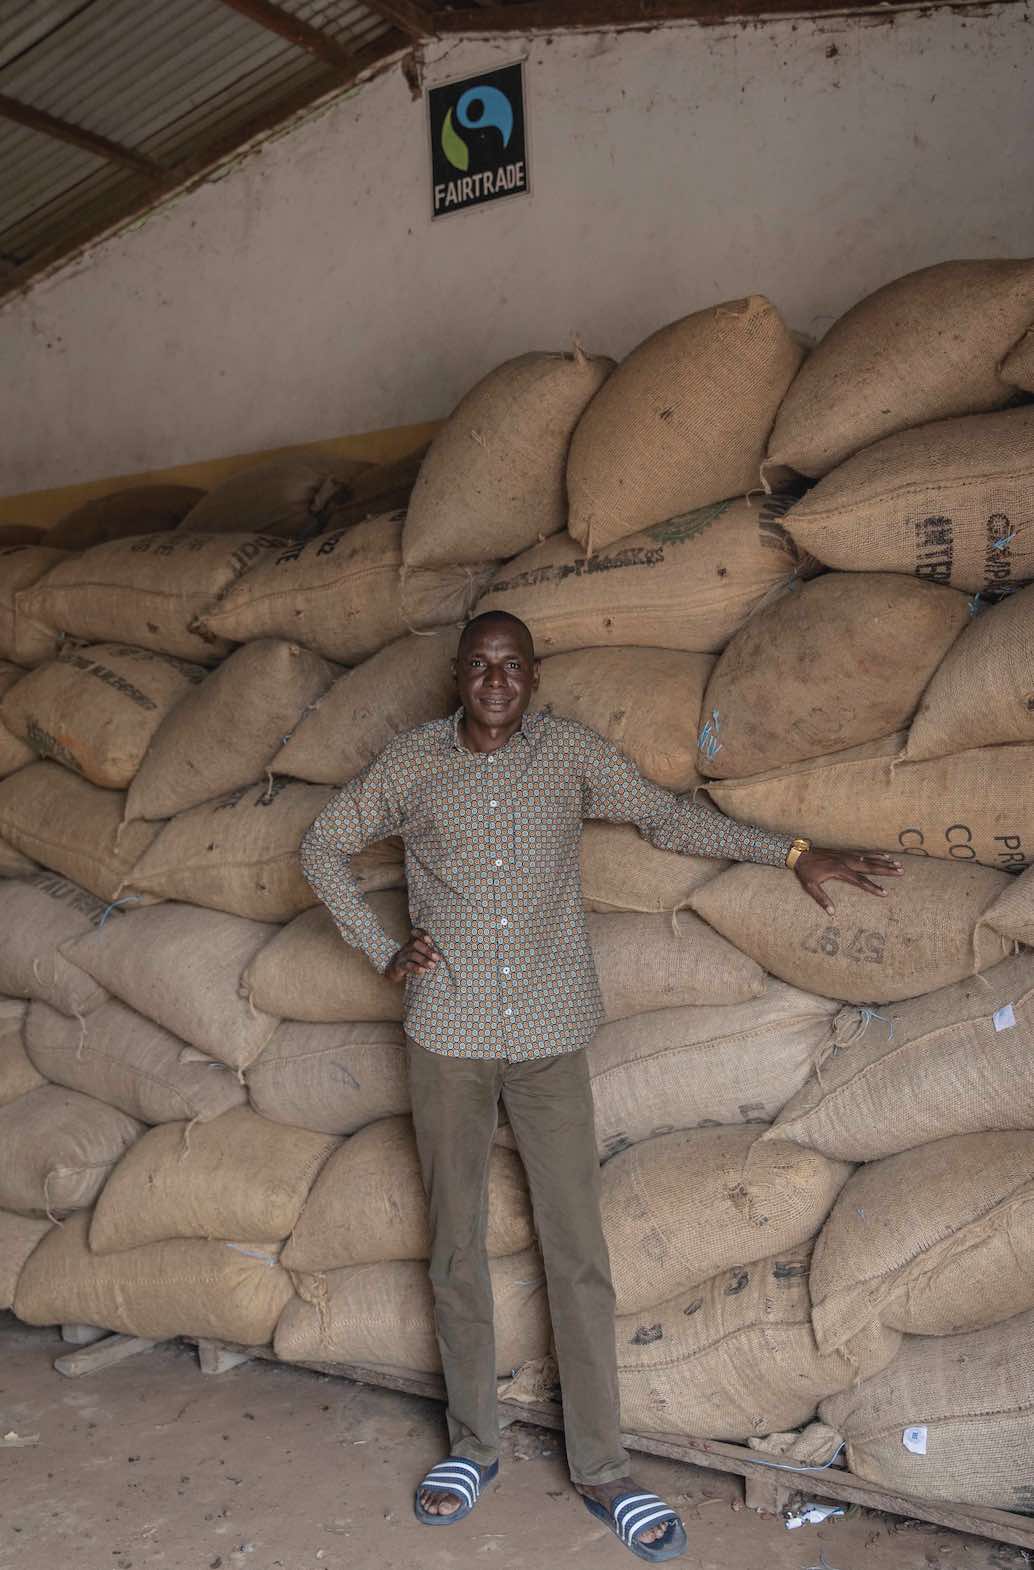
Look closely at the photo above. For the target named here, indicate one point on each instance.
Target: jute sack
(131, 1063)
(21, 534)
(647, 962)
(493, 481)
(96, 709)
(975, 806)
(225, 733)
(889, 362)
(18, 1237)
(383, 1314)
(17, 1074)
(956, 1061)
(844, 660)
(238, 853)
(142, 509)
(334, 1078)
(146, 591)
(682, 422)
(59, 1148)
(224, 1290)
(62, 821)
(1018, 366)
(284, 497)
(691, 1067)
(736, 1355)
(926, 932)
(688, 583)
(646, 701)
(971, 1398)
(182, 966)
(681, 1207)
(982, 694)
(41, 912)
(308, 972)
(236, 1176)
(931, 1241)
(14, 752)
(622, 871)
(403, 685)
(344, 594)
(944, 502)
(1012, 913)
(22, 638)
(368, 1204)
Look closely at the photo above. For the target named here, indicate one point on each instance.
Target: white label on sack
(914, 1440)
(1004, 1018)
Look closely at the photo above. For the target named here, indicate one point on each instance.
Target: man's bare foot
(453, 1487)
(605, 1495)
(437, 1503)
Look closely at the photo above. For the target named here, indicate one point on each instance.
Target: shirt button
(498, 862)
(506, 970)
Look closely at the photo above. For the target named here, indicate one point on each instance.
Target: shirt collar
(530, 729)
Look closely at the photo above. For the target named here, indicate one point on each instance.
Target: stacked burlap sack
(817, 1133)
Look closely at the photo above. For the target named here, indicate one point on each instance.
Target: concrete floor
(152, 1464)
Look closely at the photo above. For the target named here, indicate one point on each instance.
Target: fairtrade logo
(477, 107)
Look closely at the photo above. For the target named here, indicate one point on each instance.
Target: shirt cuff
(379, 949)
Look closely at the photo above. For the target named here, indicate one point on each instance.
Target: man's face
(496, 674)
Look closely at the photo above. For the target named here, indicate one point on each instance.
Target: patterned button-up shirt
(493, 868)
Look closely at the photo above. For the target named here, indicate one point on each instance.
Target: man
(501, 1001)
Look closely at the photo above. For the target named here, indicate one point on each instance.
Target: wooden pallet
(767, 1486)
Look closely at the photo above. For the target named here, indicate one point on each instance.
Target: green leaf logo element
(453, 145)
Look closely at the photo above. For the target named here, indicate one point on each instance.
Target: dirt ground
(265, 1467)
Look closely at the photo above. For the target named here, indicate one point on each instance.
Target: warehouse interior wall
(305, 294)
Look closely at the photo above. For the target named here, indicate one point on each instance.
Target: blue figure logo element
(494, 110)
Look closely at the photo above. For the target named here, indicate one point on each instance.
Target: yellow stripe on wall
(43, 508)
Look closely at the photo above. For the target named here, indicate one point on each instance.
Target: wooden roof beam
(413, 20)
(572, 15)
(78, 136)
(263, 13)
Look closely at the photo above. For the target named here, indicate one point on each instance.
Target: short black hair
(503, 617)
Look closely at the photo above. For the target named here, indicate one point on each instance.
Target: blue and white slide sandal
(456, 1476)
(631, 1514)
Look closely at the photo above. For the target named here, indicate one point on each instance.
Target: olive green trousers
(549, 1105)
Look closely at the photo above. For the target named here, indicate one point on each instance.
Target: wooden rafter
(405, 15)
(78, 136)
(571, 15)
(275, 20)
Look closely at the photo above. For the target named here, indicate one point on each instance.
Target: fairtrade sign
(478, 141)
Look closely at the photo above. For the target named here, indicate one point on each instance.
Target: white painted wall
(306, 293)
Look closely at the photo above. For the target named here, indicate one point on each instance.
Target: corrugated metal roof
(164, 78)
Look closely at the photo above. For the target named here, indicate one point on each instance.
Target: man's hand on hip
(816, 867)
(415, 958)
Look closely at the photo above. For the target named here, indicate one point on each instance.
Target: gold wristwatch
(796, 851)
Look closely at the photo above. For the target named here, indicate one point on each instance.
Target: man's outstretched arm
(616, 792)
